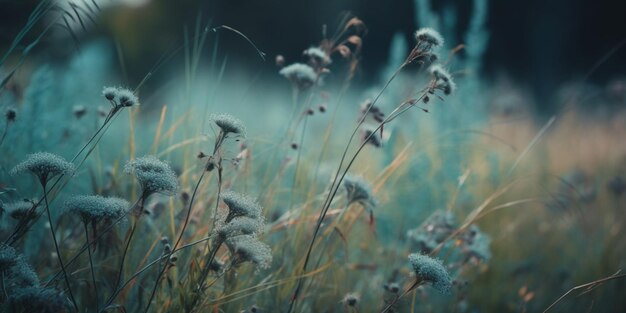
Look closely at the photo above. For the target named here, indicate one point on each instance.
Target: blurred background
(537, 44)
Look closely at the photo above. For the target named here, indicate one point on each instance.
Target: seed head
(240, 226)
(229, 124)
(351, 299)
(317, 57)
(358, 191)
(21, 210)
(8, 256)
(248, 248)
(302, 75)
(44, 166)
(11, 115)
(429, 36)
(432, 271)
(240, 205)
(154, 175)
(109, 93)
(97, 208)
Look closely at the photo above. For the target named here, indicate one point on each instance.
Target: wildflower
(229, 124)
(10, 115)
(109, 93)
(248, 248)
(240, 226)
(317, 57)
(280, 61)
(21, 274)
(372, 137)
(8, 256)
(120, 97)
(429, 36)
(434, 230)
(392, 287)
(154, 175)
(44, 166)
(350, 299)
(301, 75)
(21, 210)
(240, 205)
(432, 271)
(97, 208)
(126, 97)
(442, 80)
(476, 244)
(35, 299)
(79, 111)
(358, 191)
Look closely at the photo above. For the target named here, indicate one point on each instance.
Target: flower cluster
(120, 97)
(154, 175)
(239, 229)
(359, 191)
(92, 209)
(431, 271)
(229, 124)
(44, 166)
(318, 58)
(301, 75)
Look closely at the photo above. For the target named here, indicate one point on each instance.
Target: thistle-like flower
(431, 271)
(21, 210)
(301, 75)
(317, 57)
(429, 36)
(351, 299)
(229, 124)
(154, 175)
(248, 248)
(20, 273)
(120, 97)
(240, 226)
(442, 80)
(8, 256)
(240, 205)
(44, 166)
(359, 191)
(92, 209)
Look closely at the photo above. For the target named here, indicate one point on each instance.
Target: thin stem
(4, 288)
(120, 272)
(180, 237)
(337, 181)
(56, 246)
(93, 273)
(4, 134)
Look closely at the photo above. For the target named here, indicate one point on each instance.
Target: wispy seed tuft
(97, 208)
(44, 166)
(432, 271)
(154, 175)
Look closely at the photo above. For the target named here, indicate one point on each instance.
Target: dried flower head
(240, 205)
(429, 36)
(317, 57)
(21, 210)
(229, 124)
(373, 137)
(248, 248)
(44, 166)
(351, 299)
(97, 208)
(21, 274)
(240, 226)
(359, 191)
(10, 115)
(8, 256)
(79, 111)
(431, 271)
(154, 175)
(301, 75)
(443, 79)
(35, 299)
(120, 97)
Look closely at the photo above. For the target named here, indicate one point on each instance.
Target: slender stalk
(395, 300)
(180, 237)
(56, 246)
(93, 273)
(120, 272)
(2, 284)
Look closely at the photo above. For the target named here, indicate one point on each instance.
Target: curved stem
(120, 272)
(56, 246)
(395, 300)
(93, 273)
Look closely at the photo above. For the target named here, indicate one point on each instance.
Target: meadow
(435, 190)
